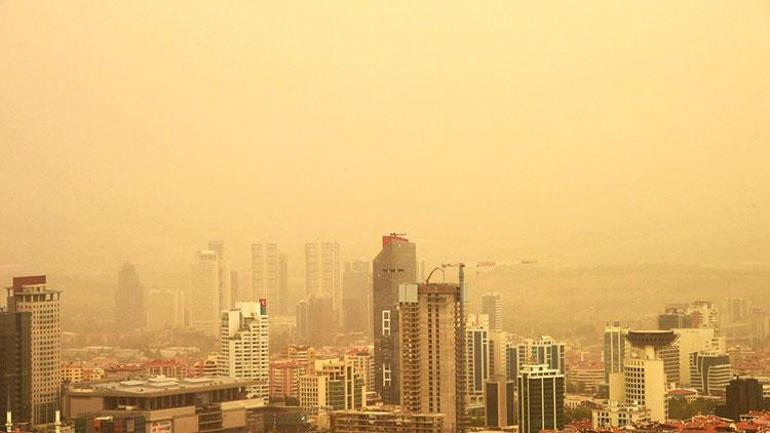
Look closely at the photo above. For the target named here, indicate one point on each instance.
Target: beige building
(643, 380)
(203, 295)
(244, 346)
(615, 415)
(334, 384)
(193, 405)
(432, 339)
(265, 275)
(323, 272)
(30, 294)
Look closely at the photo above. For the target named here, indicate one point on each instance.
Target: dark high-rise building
(16, 365)
(541, 398)
(303, 322)
(492, 306)
(129, 299)
(499, 402)
(743, 395)
(356, 289)
(395, 264)
(322, 328)
(511, 361)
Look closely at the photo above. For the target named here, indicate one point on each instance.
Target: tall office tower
(710, 373)
(283, 283)
(265, 275)
(244, 349)
(235, 285)
(323, 272)
(498, 356)
(303, 322)
(395, 264)
(492, 306)
(16, 364)
(203, 296)
(161, 309)
(541, 398)
(477, 356)
(615, 349)
(223, 275)
(743, 395)
(356, 289)
(542, 350)
(30, 294)
(432, 346)
(322, 328)
(759, 326)
(129, 299)
(644, 378)
(737, 310)
(499, 402)
(511, 360)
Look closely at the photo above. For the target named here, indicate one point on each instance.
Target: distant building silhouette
(129, 299)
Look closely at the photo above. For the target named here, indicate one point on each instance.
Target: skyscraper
(432, 347)
(323, 272)
(492, 306)
(541, 398)
(16, 364)
(322, 328)
(235, 285)
(477, 356)
(283, 283)
(395, 264)
(303, 322)
(223, 275)
(203, 296)
(30, 294)
(244, 350)
(615, 348)
(356, 289)
(129, 299)
(265, 276)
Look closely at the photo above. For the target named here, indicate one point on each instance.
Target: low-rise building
(616, 414)
(192, 405)
(384, 421)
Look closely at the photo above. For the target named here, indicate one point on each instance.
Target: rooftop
(158, 386)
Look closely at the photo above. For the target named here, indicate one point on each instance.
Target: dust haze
(588, 134)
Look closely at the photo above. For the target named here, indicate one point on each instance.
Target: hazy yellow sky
(583, 132)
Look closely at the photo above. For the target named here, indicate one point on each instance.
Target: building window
(385, 322)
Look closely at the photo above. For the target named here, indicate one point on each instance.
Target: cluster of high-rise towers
(435, 361)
